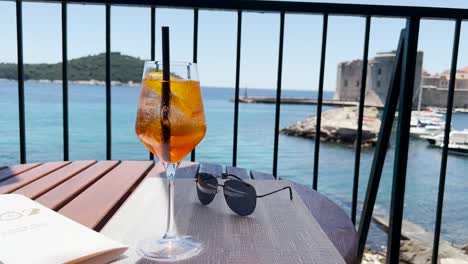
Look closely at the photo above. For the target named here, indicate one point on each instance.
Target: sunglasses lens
(240, 196)
(207, 187)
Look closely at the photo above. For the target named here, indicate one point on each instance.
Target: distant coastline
(124, 69)
(81, 82)
(138, 84)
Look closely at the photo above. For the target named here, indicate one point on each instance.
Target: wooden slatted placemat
(94, 205)
(19, 180)
(8, 172)
(279, 231)
(67, 191)
(48, 182)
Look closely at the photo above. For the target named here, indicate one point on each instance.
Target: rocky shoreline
(339, 125)
(416, 247)
(372, 257)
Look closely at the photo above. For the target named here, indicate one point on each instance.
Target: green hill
(123, 68)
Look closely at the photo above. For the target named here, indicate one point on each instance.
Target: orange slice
(153, 80)
(158, 75)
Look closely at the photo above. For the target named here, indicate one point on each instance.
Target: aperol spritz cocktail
(170, 122)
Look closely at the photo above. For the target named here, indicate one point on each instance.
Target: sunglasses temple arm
(225, 175)
(287, 187)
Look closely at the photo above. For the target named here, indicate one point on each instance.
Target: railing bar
(278, 96)
(153, 47)
(319, 101)
(19, 45)
(362, 98)
(195, 35)
(195, 55)
(153, 33)
(402, 140)
(294, 7)
(236, 95)
(108, 84)
(385, 132)
(448, 121)
(65, 82)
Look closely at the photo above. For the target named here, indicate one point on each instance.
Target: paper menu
(32, 233)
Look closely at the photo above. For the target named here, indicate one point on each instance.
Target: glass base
(169, 249)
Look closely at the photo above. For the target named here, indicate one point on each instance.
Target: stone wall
(435, 81)
(438, 97)
(443, 81)
(348, 80)
(380, 69)
(379, 74)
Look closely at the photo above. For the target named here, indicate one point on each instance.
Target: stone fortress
(429, 90)
(435, 88)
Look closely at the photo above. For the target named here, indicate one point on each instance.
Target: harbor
(339, 125)
(303, 101)
(329, 102)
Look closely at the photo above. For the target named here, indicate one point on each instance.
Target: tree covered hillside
(124, 69)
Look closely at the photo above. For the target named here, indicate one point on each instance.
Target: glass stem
(170, 173)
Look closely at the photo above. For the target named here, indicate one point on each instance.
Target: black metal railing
(108, 84)
(448, 122)
(65, 82)
(388, 116)
(318, 121)
(362, 98)
(19, 43)
(408, 66)
(236, 95)
(400, 90)
(278, 96)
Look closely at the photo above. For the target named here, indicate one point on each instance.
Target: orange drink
(186, 117)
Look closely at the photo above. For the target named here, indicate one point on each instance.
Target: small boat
(438, 110)
(426, 113)
(427, 122)
(434, 139)
(461, 110)
(429, 130)
(458, 142)
(458, 149)
(428, 127)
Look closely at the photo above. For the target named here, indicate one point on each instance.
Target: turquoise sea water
(43, 104)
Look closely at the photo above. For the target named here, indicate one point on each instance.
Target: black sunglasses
(240, 196)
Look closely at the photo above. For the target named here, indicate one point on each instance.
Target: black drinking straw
(166, 96)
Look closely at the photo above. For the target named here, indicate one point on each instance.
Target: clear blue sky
(217, 40)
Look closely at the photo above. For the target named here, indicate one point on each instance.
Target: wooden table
(90, 192)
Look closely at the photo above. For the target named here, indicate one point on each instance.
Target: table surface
(91, 192)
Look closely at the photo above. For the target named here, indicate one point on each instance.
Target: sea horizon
(137, 84)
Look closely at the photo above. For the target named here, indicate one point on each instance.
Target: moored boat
(426, 126)
(458, 142)
(458, 149)
(461, 110)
